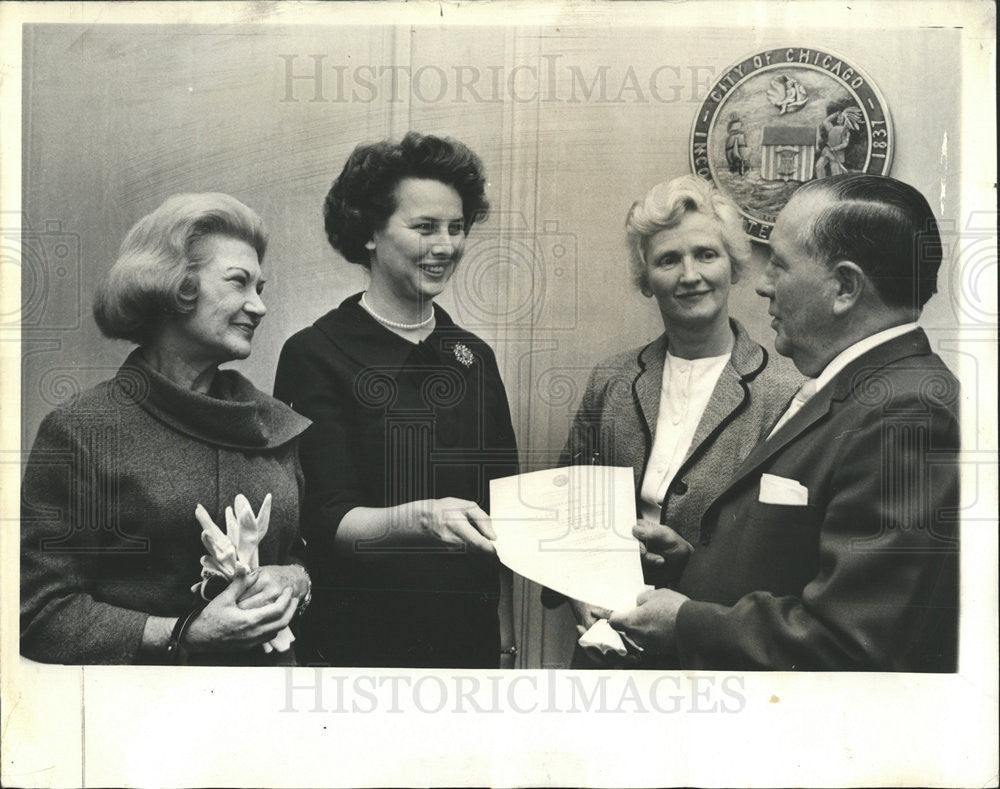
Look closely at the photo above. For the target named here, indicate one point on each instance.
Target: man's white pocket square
(780, 490)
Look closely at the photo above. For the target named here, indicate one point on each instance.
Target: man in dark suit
(835, 545)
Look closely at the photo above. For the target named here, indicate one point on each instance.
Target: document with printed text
(570, 529)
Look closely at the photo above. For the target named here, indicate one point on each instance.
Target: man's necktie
(807, 390)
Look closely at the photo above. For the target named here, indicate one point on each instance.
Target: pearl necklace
(394, 324)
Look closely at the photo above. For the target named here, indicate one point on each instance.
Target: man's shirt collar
(852, 352)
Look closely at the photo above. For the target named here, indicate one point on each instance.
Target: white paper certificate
(570, 529)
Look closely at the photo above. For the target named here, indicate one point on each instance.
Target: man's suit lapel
(858, 371)
(810, 413)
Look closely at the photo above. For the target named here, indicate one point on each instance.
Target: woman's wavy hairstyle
(666, 204)
(156, 273)
(362, 198)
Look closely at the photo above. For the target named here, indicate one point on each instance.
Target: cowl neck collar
(235, 415)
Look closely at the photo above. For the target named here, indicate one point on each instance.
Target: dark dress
(395, 422)
(108, 532)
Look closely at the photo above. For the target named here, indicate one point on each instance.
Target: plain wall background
(117, 118)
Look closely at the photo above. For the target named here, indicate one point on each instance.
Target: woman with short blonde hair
(684, 410)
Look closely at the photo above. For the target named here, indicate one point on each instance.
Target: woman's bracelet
(174, 651)
(509, 651)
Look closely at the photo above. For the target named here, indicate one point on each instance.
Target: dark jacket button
(679, 488)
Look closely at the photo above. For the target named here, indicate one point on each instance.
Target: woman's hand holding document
(570, 529)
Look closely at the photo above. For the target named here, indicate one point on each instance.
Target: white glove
(238, 548)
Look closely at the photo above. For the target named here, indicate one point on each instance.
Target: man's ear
(851, 282)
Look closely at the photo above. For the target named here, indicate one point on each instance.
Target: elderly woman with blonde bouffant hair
(684, 410)
(160, 508)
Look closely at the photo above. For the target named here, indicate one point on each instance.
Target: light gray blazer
(617, 417)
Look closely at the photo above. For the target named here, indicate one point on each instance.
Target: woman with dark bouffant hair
(410, 424)
(160, 521)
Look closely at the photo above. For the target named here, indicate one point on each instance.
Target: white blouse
(684, 394)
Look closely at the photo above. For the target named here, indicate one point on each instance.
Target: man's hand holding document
(570, 529)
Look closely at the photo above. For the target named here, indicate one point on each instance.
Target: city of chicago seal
(782, 117)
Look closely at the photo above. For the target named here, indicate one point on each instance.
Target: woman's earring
(370, 245)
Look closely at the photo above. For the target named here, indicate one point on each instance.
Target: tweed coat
(862, 574)
(616, 420)
(108, 533)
